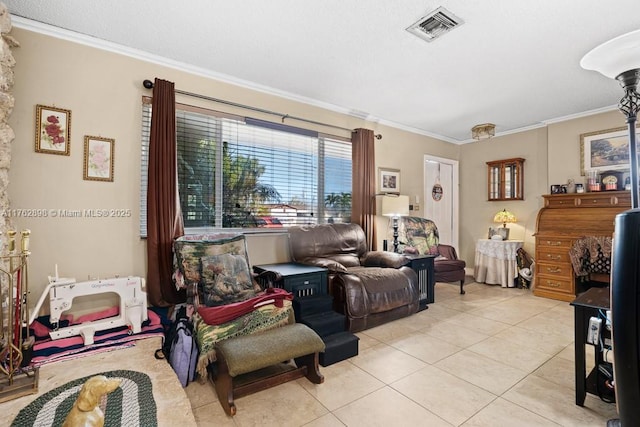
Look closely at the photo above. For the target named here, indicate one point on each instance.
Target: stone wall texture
(7, 62)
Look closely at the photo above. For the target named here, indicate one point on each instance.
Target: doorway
(441, 197)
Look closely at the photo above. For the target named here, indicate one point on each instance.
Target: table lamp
(619, 59)
(504, 216)
(395, 207)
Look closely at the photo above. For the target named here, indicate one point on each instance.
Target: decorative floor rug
(130, 405)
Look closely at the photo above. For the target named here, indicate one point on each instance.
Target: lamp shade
(615, 56)
(504, 216)
(395, 205)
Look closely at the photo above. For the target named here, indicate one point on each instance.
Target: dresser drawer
(553, 242)
(553, 255)
(555, 284)
(597, 200)
(555, 269)
(560, 202)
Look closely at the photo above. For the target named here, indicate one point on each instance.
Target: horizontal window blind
(236, 172)
(144, 164)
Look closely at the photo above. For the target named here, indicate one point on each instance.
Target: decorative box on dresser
(563, 219)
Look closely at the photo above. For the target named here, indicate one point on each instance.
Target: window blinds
(236, 172)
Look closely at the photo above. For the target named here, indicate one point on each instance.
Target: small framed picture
(389, 180)
(494, 232)
(556, 189)
(53, 127)
(98, 158)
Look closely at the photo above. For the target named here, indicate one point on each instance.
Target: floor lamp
(619, 59)
(395, 207)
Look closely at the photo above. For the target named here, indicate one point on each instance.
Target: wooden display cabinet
(505, 179)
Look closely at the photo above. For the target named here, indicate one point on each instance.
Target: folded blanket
(47, 350)
(261, 319)
(226, 313)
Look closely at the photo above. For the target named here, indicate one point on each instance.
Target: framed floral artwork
(98, 158)
(389, 180)
(53, 127)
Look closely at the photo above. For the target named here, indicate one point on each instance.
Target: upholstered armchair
(368, 287)
(420, 236)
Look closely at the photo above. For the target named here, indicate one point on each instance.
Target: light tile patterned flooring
(493, 357)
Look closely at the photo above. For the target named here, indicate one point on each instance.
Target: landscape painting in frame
(53, 127)
(98, 158)
(389, 180)
(605, 150)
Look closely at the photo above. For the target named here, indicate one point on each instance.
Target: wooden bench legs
(310, 365)
(227, 389)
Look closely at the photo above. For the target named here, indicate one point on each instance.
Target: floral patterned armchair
(420, 236)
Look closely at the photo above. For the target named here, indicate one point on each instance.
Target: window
(238, 172)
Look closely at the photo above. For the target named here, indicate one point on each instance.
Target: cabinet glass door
(505, 179)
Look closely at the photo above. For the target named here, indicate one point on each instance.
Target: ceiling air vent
(435, 24)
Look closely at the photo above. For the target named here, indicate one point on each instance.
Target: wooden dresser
(563, 219)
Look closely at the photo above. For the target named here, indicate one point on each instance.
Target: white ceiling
(513, 62)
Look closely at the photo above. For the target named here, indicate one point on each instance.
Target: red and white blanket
(46, 350)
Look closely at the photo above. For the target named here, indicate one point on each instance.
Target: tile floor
(493, 357)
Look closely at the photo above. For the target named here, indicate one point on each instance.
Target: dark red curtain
(363, 200)
(164, 219)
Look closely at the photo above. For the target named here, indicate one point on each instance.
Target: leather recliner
(368, 287)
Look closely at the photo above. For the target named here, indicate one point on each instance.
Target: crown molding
(75, 37)
(580, 115)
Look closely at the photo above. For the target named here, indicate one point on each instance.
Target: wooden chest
(563, 219)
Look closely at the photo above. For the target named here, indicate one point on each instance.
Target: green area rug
(130, 405)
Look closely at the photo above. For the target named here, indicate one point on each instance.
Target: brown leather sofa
(368, 287)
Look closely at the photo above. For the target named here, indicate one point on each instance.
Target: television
(625, 312)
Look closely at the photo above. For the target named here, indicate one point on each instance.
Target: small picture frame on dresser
(492, 232)
(557, 189)
(498, 233)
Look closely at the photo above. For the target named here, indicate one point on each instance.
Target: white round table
(495, 262)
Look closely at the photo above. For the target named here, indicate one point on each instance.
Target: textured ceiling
(513, 62)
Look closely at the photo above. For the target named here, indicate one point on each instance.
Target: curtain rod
(149, 85)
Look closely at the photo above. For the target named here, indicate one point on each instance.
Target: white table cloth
(495, 262)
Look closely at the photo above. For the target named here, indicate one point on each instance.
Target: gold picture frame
(53, 130)
(605, 150)
(389, 180)
(98, 158)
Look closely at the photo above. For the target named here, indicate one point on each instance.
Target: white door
(441, 197)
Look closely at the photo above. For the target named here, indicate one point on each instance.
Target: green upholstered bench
(251, 353)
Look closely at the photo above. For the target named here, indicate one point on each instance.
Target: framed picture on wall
(389, 180)
(98, 158)
(53, 128)
(605, 150)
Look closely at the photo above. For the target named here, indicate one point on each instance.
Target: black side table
(301, 280)
(313, 306)
(586, 305)
(423, 266)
